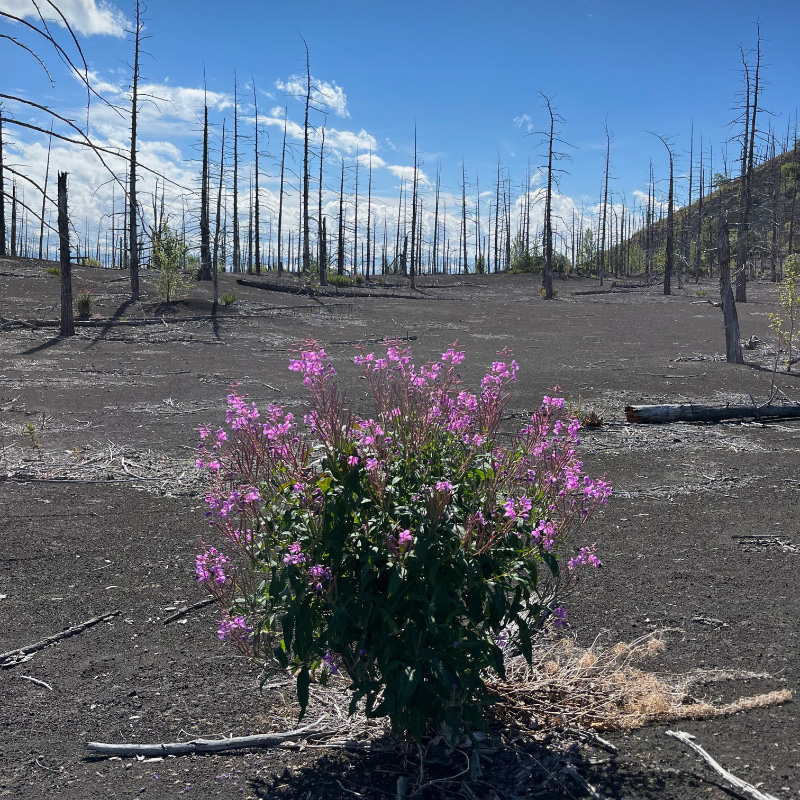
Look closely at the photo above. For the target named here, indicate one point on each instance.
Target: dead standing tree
(552, 180)
(2, 193)
(306, 190)
(237, 251)
(67, 323)
(256, 247)
(733, 344)
(669, 261)
(205, 225)
(133, 238)
(601, 252)
(746, 176)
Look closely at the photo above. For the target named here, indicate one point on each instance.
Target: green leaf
(409, 680)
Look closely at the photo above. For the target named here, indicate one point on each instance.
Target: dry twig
(14, 657)
(743, 788)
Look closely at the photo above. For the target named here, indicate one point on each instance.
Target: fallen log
(208, 745)
(689, 412)
(743, 788)
(14, 657)
(333, 291)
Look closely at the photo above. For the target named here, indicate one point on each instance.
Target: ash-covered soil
(103, 511)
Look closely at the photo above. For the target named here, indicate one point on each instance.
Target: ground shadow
(120, 312)
(526, 769)
(44, 346)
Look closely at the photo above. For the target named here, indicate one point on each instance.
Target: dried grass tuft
(605, 688)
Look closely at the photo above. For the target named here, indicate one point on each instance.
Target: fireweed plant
(406, 550)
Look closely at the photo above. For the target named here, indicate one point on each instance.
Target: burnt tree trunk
(3, 250)
(67, 320)
(280, 197)
(237, 250)
(306, 234)
(215, 260)
(205, 223)
(340, 241)
(733, 344)
(414, 216)
(133, 238)
(257, 207)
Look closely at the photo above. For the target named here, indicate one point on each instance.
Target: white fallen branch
(209, 745)
(36, 681)
(744, 788)
(14, 657)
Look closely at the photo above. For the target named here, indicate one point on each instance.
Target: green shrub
(84, 302)
(167, 255)
(92, 262)
(228, 299)
(405, 550)
(335, 279)
(785, 321)
(53, 272)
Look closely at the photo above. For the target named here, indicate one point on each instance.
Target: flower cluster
(233, 628)
(405, 547)
(210, 566)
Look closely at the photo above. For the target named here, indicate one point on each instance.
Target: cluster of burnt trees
(308, 232)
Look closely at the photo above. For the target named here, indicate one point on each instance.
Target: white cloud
(164, 111)
(407, 173)
(324, 96)
(524, 121)
(343, 142)
(86, 17)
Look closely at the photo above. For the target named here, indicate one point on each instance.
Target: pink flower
(210, 566)
(560, 617)
(405, 539)
(587, 555)
(233, 628)
(295, 556)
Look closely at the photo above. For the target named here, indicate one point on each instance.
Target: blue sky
(466, 73)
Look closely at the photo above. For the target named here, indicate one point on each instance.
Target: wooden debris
(14, 657)
(183, 611)
(36, 681)
(689, 412)
(745, 789)
(208, 745)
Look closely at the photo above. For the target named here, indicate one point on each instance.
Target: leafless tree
(748, 137)
(670, 243)
(340, 240)
(215, 259)
(733, 344)
(133, 209)
(322, 266)
(370, 250)
(552, 179)
(414, 264)
(205, 223)
(601, 251)
(280, 196)
(237, 251)
(306, 244)
(257, 207)
(67, 323)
